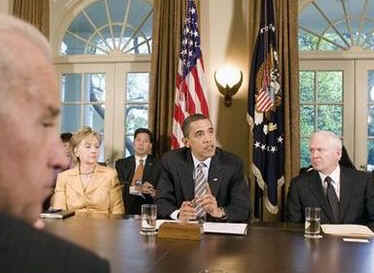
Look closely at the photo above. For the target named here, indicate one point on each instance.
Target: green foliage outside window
(321, 106)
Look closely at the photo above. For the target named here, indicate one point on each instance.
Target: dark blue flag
(265, 111)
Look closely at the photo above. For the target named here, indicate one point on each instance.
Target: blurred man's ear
(186, 142)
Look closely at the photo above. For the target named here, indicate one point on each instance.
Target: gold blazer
(103, 194)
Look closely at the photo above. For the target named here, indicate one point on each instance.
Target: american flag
(190, 97)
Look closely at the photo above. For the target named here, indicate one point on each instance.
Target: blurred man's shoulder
(37, 245)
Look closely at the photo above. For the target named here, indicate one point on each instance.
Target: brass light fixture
(228, 82)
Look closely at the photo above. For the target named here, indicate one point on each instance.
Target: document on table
(225, 228)
(348, 230)
(213, 227)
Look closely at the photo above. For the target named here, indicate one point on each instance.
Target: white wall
(224, 33)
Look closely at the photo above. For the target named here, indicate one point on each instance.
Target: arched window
(110, 27)
(103, 56)
(336, 39)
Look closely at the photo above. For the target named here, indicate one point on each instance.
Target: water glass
(312, 222)
(148, 219)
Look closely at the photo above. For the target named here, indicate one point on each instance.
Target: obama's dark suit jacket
(226, 180)
(356, 197)
(126, 169)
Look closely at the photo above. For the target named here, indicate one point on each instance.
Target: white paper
(225, 228)
(355, 240)
(212, 227)
(347, 230)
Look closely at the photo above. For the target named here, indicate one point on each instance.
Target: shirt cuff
(174, 215)
(133, 191)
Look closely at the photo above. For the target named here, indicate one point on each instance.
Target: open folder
(358, 231)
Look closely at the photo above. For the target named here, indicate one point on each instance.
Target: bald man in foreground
(31, 155)
(345, 195)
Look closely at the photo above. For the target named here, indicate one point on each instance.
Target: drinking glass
(312, 222)
(148, 221)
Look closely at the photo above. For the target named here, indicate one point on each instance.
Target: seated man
(66, 140)
(142, 168)
(345, 195)
(200, 180)
(31, 156)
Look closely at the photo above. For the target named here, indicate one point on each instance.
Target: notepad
(348, 230)
(225, 228)
(57, 214)
(214, 227)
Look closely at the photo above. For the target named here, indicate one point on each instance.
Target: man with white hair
(345, 195)
(31, 155)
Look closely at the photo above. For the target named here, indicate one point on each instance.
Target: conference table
(266, 248)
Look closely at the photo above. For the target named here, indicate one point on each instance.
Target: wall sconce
(228, 82)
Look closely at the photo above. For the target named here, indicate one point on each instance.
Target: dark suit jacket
(225, 178)
(126, 170)
(356, 197)
(25, 249)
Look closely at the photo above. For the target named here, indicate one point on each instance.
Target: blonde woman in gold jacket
(89, 188)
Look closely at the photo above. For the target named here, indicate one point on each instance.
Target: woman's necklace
(86, 178)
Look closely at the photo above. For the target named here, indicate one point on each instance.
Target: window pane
(307, 41)
(117, 9)
(306, 80)
(136, 116)
(371, 121)
(72, 46)
(71, 87)
(99, 48)
(81, 27)
(93, 87)
(330, 86)
(129, 145)
(307, 117)
(93, 116)
(371, 86)
(70, 118)
(138, 11)
(370, 162)
(304, 152)
(330, 118)
(137, 87)
(97, 13)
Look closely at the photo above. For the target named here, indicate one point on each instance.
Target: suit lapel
(186, 170)
(215, 173)
(76, 184)
(147, 175)
(315, 184)
(346, 190)
(132, 169)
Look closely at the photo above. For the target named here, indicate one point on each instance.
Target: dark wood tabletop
(274, 249)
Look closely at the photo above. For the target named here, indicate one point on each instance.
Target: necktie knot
(328, 180)
(141, 161)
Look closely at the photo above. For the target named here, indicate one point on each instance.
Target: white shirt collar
(137, 159)
(196, 161)
(335, 175)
